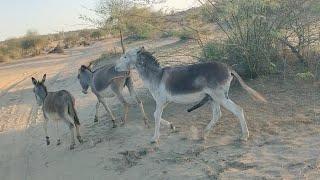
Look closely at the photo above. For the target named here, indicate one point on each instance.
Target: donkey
(187, 84)
(57, 106)
(104, 77)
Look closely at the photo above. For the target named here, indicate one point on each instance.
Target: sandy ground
(284, 142)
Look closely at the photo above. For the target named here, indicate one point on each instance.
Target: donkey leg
(104, 103)
(216, 115)
(57, 131)
(238, 112)
(97, 112)
(167, 123)
(157, 117)
(145, 117)
(78, 134)
(45, 127)
(133, 93)
(67, 120)
(124, 102)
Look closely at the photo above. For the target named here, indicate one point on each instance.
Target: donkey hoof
(114, 126)
(173, 128)
(72, 146)
(80, 139)
(244, 138)
(122, 121)
(95, 119)
(147, 125)
(48, 141)
(58, 142)
(146, 122)
(154, 141)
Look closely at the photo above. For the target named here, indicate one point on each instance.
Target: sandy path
(284, 142)
(22, 153)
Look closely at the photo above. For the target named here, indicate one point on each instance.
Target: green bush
(33, 44)
(184, 34)
(10, 49)
(250, 36)
(306, 76)
(140, 31)
(70, 40)
(96, 35)
(214, 52)
(166, 34)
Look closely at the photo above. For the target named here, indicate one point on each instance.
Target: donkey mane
(151, 59)
(83, 67)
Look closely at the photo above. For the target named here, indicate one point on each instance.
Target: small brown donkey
(58, 106)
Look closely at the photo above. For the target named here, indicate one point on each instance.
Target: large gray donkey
(58, 106)
(187, 84)
(104, 77)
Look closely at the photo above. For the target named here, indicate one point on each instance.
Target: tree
(113, 15)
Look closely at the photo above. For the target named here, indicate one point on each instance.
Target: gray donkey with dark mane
(187, 84)
(58, 106)
(103, 78)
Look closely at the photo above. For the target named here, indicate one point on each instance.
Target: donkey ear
(90, 65)
(34, 81)
(141, 49)
(83, 67)
(44, 78)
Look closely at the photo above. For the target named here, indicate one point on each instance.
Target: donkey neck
(89, 74)
(151, 75)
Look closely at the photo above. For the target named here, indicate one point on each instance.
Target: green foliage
(166, 34)
(96, 35)
(33, 44)
(71, 40)
(255, 29)
(184, 34)
(214, 52)
(131, 18)
(306, 76)
(84, 34)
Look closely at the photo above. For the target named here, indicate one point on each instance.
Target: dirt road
(284, 142)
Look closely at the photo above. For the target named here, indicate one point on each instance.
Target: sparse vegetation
(33, 44)
(58, 49)
(257, 32)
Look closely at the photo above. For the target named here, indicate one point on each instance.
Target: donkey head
(128, 60)
(84, 76)
(39, 89)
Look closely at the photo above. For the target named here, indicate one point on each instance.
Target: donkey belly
(187, 98)
(105, 92)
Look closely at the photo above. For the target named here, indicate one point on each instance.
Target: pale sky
(49, 16)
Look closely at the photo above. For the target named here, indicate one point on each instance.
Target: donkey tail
(72, 111)
(252, 92)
